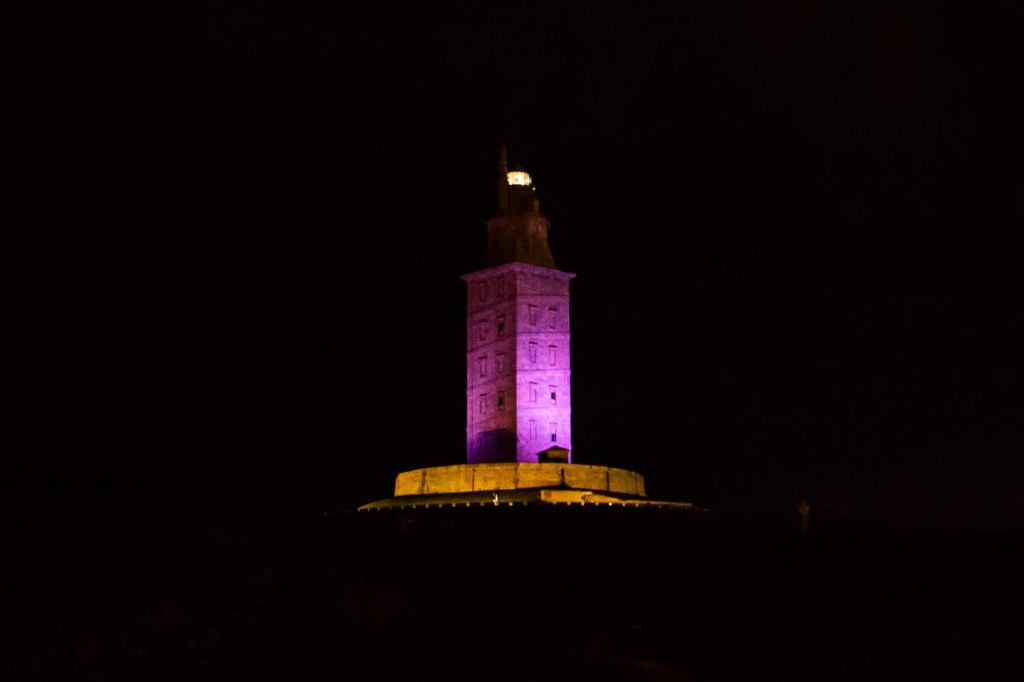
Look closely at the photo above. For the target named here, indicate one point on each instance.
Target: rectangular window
(483, 365)
(533, 428)
(481, 329)
(501, 400)
(532, 314)
(501, 286)
(533, 392)
(482, 291)
(483, 403)
(501, 325)
(532, 352)
(554, 432)
(553, 390)
(552, 317)
(500, 363)
(553, 355)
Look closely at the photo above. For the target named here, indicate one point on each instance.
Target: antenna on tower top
(502, 180)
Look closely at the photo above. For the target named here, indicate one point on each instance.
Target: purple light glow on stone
(518, 394)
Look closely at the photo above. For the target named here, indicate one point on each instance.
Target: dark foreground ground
(526, 593)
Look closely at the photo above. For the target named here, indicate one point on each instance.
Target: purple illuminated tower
(518, 400)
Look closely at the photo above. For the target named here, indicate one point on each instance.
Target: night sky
(239, 230)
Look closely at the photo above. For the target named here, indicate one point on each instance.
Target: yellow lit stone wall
(465, 478)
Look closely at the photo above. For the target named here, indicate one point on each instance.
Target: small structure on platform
(554, 454)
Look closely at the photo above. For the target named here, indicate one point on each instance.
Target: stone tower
(518, 399)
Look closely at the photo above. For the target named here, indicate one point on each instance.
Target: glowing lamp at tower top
(521, 178)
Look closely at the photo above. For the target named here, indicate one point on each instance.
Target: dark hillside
(527, 593)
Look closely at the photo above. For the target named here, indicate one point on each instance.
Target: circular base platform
(469, 478)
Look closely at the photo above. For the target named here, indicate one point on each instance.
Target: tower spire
(502, 180)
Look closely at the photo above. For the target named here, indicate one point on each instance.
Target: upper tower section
(519, 233)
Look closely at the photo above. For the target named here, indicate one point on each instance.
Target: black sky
(241, 228)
